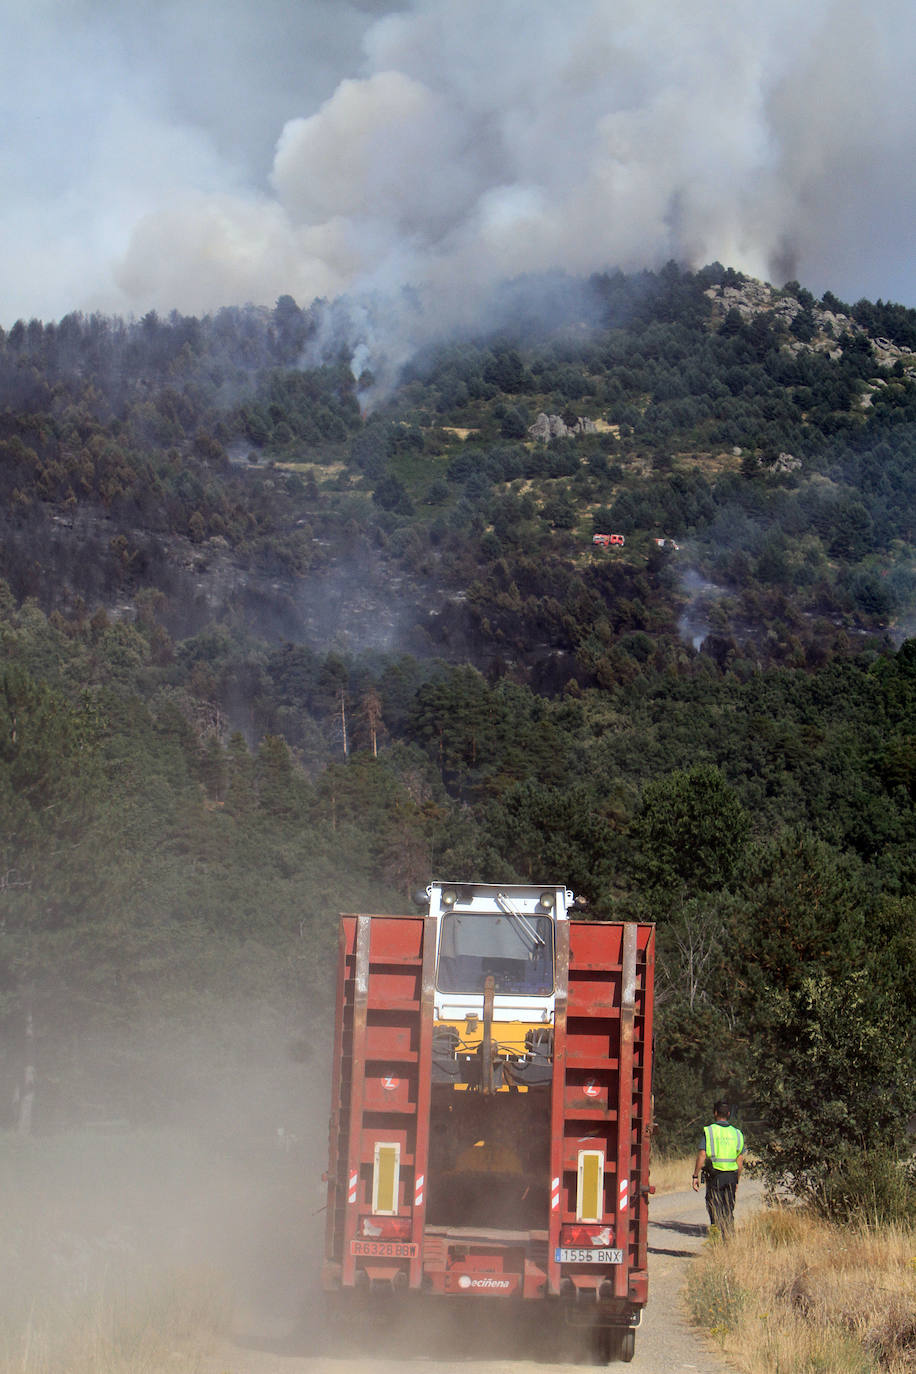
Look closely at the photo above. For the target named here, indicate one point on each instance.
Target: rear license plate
(389, 1249)
(563, 1256)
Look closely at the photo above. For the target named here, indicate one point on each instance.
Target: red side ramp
(379, 1133)
(602, 1104)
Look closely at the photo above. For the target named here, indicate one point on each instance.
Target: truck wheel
(610, 1344)
(626, 1346)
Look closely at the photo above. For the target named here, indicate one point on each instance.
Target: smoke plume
(191, 155)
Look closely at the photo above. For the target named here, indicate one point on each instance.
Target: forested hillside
(281, 640)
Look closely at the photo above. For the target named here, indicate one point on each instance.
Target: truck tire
(626, 1346)
(613, 1344)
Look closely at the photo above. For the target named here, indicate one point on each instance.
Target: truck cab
(495, 983)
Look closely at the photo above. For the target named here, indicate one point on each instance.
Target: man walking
(720, 1159)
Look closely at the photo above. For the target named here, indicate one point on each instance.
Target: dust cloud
(171, 1192)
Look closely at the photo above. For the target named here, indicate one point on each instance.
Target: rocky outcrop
(824, 328)
(785, 462)
(547, 427)
(753, 298)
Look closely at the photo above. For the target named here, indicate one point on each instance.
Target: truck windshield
(517, 951)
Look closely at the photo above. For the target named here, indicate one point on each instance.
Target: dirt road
(274, 1337)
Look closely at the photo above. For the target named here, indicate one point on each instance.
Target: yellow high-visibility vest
(723, 1145)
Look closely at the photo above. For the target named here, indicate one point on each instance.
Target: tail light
(586, 1236)
(385, 1228)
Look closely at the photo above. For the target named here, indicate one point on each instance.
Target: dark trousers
(720, 1200)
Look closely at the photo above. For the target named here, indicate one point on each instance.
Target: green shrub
(714, 1300)
(873, 1187)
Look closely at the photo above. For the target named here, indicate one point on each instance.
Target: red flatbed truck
(491, 1108)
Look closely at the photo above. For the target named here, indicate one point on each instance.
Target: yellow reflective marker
(590, 1186)
(386, 1173)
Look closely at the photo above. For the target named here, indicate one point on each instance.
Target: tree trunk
(27, 1093)
(343, 722)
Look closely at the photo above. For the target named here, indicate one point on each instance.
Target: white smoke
(701, 596)
(446, 146)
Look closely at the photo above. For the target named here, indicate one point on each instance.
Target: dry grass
(712, 464)
(306, 467)
(671, 1173)
(166, 1323)
(794, 1294)
(98, 1274)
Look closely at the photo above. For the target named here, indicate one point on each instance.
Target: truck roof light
(547, 901)
(449, 896)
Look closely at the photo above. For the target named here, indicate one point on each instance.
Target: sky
(190, 154)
